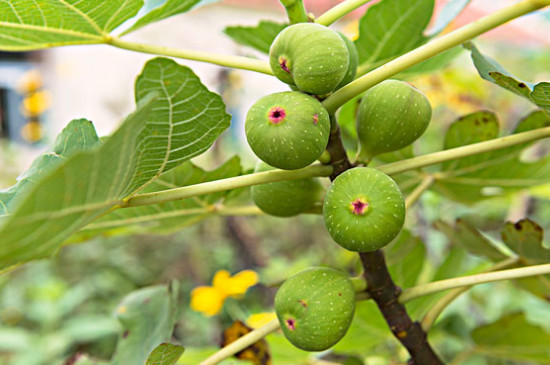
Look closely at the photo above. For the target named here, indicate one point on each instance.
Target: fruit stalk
(385, 293)
(339, 11)
(295, 10)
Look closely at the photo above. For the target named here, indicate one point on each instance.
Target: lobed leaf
(30, 24)
(391, 28)
(258, 37)
(182, 122)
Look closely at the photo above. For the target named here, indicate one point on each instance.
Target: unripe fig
(391, 115)
(364, 209)
(353, 61)
(286, 198)
(315, 308)
(288, 130)
(311, 56)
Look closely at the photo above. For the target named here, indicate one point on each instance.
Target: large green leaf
(258, 37)
(513, 338)
(391, 28)
(78, 191)
(78, 135)
(147, 317)
(478, 177)
(170, 216)
(166, 10)
(163, 133)
(31, 24)
(405, 257)
(186, 120)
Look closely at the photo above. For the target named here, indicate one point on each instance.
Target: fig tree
(391, 115)
(311, 56)
(315, 308)
(364, 209)
(288, 130)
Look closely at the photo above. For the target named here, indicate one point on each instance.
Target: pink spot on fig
(283, 62)
(276, 114)
(291, 324)
(315, 119)
(359, 206)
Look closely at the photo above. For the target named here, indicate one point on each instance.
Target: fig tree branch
(226, 184)
(239, 62)
(430, 49)
(464, 151)
(339, 11)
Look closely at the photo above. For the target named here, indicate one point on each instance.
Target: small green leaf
(511, 84)
(541, 96)
(78, 135)
(147, 316)
(392, 27)
(165, 354)
(467, 237)
(28, 24)
(258, 37)
(513, 338)
(525, 239)
(166, 10)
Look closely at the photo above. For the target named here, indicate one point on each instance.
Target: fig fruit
(315, 308)
(391, 115)
(311, 56)
(286, 198)
(288, 130)
(364, 209)
(353, 61)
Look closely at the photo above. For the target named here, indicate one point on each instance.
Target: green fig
(287, 130)
(391, 115)
(353, 61)
(364, 209)
(315, 308)
(311, 56)
(286, 198)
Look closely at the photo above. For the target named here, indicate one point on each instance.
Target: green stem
(464, 151)
(243, 63)
(418, 191)
(295, 10)
(438, 308)
(339, 11)
(242, 343)
(227, 184)
(438, 45)
(436, 286)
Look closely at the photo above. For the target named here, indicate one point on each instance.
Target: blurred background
(52, 309)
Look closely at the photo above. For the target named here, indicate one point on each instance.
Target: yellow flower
(209, 299)
(258, 320)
